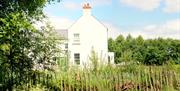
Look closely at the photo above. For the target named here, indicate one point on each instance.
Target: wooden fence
(103, 80)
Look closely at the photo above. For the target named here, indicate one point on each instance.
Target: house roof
(63, 33)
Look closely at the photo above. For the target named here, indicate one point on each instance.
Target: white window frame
(76, 39)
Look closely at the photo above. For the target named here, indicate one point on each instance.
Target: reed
(123, 78)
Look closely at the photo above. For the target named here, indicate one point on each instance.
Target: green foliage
(45, 49)
(129, 77)
(126, 56)
(37, 87)
(33, 9)
(15, 41)
(94, 60)
(150, 52)
(22, 46)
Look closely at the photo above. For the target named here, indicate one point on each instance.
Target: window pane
(76, 35)
(76, 40)
(66, 46)
(77, 58)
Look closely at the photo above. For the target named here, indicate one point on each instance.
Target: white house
(88, 34)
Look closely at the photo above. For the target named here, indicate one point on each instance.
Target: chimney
(86, 9)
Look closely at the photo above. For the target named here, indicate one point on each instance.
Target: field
(122, 78)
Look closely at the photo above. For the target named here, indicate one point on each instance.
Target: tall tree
(19, 39)
(150, 51)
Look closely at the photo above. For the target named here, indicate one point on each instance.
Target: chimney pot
(86, 6)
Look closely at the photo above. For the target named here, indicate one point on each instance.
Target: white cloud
(56, 22)
(71, 5)
(169, 29)
(145, 5)
(60, 22)
(113, 31)
(100, 2)
(172, 6)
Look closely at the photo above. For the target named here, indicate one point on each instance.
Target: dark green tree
(119, 48)
(20, 40)
(149, 52)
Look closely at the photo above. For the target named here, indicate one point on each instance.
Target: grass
(122, 78)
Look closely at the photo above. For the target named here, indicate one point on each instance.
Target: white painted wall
(93, 34)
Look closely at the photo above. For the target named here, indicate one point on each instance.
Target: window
(77, 58)
(109, 59)
(76, 36)
(66, 46)
(76, 39)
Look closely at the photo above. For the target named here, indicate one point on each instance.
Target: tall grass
(109, 78)
(123, 78)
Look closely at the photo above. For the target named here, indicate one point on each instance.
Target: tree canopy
(150, 51)
(22, 46)
(31, 8)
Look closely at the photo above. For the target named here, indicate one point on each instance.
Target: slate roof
(63, 33)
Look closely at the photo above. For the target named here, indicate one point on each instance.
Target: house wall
(93, 36)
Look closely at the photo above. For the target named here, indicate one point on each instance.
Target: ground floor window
(77, 58)
(109, 59)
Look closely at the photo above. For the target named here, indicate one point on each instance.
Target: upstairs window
(76, 35)
(77, 58)
(76, 39)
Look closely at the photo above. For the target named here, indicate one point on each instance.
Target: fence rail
(148, 79)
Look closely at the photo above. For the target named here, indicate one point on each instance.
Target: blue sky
(149, 18)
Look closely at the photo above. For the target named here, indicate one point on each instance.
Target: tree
(139, 49)
(33, 9)
(149, 52)
(111, 44)
(127, 56)
(46, 48)
(140, 40)
(119, 48)
(20, 40)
